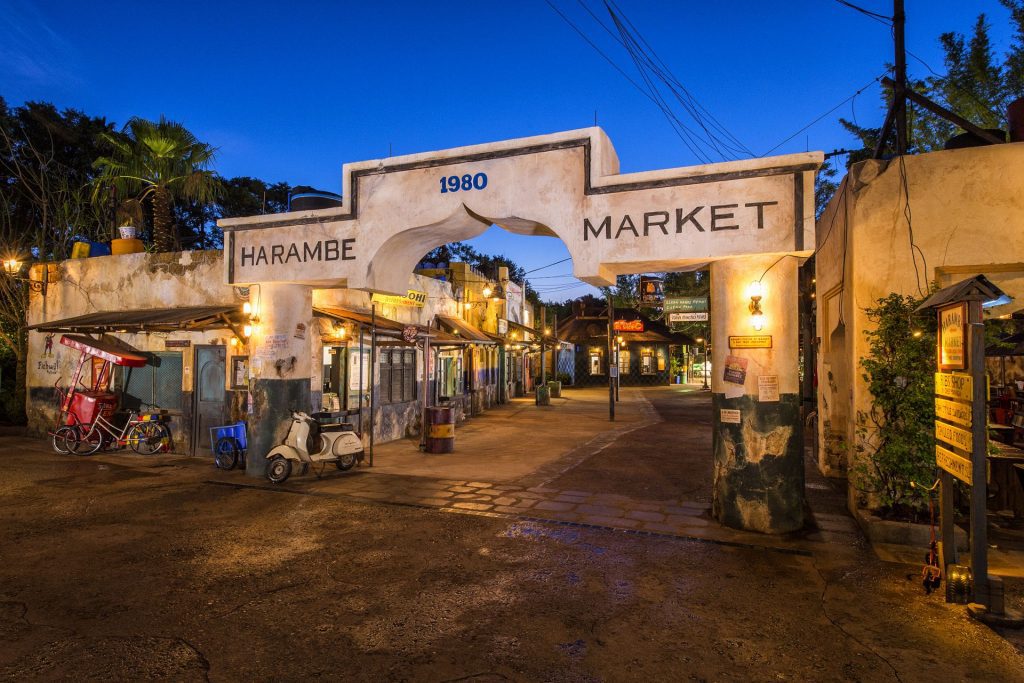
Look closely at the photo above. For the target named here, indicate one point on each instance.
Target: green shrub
(895, 439)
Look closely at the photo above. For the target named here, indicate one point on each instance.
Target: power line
(548, 265)
(874, 80)
(690, 103)
(880, 18)
(606, 57)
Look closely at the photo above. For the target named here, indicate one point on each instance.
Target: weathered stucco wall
(146, 281)
(966, 207)
(119, 283)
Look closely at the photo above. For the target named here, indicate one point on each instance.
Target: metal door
(208, 396)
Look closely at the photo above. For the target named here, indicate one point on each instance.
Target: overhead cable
(865, 87)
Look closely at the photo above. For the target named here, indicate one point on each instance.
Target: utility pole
(543, 352)
(899, 20)
(611, 368)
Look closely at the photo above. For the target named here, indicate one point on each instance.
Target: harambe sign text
(323, 250)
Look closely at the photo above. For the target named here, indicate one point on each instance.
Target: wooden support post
(979, 429)
(611, 341)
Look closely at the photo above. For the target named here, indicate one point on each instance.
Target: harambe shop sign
(564, 185)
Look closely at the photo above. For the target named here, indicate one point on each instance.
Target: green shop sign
(686, 304)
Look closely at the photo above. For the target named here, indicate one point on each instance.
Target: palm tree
(161, 161)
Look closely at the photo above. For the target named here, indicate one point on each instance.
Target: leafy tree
(976, 86)
(45, 171)
(895, 437)
(159, 162)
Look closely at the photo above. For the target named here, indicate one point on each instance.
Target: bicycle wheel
(225, 453)
(88, 442)
(147, 438)
(64, 439)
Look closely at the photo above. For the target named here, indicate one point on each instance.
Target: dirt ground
(117, 567)
(658, 461)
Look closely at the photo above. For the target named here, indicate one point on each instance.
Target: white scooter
(308, 442)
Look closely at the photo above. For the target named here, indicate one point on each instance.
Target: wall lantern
(756, 292)
(247, 308)
(13, 266)
(487, 291)
(247, 331)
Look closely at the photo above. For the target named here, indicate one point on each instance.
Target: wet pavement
(124, 567)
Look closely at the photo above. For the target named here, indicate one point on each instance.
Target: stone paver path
(669, 517)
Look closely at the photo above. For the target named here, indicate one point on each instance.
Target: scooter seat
(335, 428)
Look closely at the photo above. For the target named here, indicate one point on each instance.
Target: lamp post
(703, 341)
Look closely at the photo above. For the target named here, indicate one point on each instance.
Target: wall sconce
(13, 267)
(247, 331)
(487, 291)
(756, 292)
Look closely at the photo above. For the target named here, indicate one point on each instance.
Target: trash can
(555, 387)
(543, 395)
(440, 429)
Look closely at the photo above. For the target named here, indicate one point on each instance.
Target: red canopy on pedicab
(106, 349)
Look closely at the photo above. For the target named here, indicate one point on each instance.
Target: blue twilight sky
(291, 91)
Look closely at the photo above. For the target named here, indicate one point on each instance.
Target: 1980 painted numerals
(463, 183)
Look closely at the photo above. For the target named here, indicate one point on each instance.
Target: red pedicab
(84, 424)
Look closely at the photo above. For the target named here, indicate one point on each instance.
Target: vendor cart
(81, 403)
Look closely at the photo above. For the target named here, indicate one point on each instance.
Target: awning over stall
(463, 330)
(385, 326)
(359, 318)
(146, 320)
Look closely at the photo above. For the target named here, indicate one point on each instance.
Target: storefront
(641, 350)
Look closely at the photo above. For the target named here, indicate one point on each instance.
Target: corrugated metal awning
(359, 317)
(145, 320)
(464, 330)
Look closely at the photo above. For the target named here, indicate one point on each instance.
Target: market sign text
(700, 219)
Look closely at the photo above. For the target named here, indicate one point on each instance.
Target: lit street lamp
(705, 363)
(13, 267)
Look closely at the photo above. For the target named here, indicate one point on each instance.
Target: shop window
(647, 363)
(156, 384)
(624, 362)
(397, 375)
(595, 364)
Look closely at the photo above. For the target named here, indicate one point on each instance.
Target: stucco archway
(741, 217)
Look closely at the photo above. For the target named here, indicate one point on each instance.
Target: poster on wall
(768, 388)
(735, 370)
(514, 303)
(358, 372)
(734, 376)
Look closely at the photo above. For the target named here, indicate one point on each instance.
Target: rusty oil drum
(440, 430)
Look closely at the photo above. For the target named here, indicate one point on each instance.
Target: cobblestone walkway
(680, 518)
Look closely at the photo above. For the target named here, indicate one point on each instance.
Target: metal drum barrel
(440, 429)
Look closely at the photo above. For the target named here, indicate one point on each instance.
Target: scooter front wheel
(279, 469)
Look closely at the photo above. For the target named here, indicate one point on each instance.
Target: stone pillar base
(759, 468)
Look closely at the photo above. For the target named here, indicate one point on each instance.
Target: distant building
(643, 348)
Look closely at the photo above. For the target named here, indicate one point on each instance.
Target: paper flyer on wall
(734, 376)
